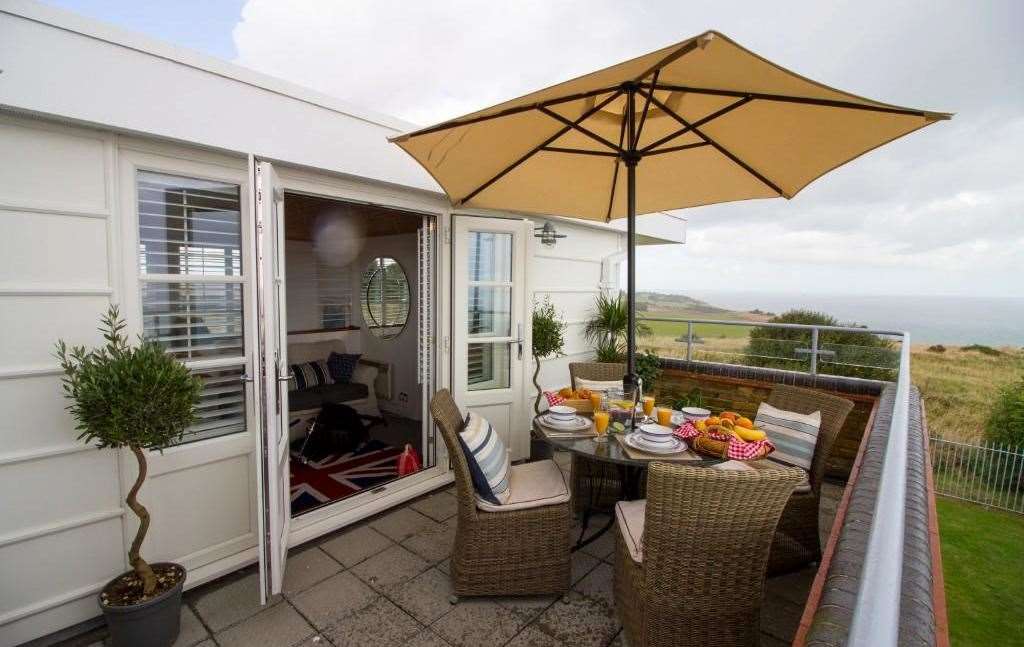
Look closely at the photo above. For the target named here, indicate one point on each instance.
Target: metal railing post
(814, 350)
(689, 341)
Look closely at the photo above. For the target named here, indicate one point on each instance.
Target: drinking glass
(601, 419)
(648, 403)
(665, 416)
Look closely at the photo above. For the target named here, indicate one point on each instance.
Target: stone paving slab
(387, 582)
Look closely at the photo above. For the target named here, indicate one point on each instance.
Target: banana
(749, 435)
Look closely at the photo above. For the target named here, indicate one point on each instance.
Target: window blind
(190, 266)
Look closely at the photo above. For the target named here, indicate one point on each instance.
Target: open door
(489, 315)
(272, 379)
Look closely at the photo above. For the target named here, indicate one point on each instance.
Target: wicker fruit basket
(720, 443)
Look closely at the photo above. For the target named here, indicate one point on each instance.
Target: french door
(489, 315)
(271, 380)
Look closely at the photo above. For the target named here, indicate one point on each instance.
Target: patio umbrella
(700, 122)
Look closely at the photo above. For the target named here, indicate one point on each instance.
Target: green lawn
(983, 564)
(706, 331)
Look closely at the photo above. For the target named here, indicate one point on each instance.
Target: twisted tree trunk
(142, 568)
(536, 372)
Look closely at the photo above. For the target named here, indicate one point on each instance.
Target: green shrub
(937, 348)
(606, 327)
(983, 349)
(648, 367)
(857, 354)
(1005, 423)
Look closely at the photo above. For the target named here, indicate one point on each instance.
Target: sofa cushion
(532, 485)
(314, 398)
(630, 516)
(342, 366)
(309, 374)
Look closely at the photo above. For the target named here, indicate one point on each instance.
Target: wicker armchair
(705, 540)
(797, 539)
(588, 475)
(517, 552)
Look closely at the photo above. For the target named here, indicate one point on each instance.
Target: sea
(954, 320)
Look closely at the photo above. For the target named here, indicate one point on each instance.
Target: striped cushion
(794, 434)
(489, 464)
(309, 374)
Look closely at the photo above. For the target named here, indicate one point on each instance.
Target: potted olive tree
(548, 340)
(140, 398)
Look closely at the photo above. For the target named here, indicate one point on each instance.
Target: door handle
(519, 339)
(285, 377)
(245, 377)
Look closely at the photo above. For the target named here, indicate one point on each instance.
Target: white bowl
(656, 433)
(695, 413)
(562, 411)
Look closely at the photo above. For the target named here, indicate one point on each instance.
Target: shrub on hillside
(937, 348)
(857, 354)
(983, 349)
(1005, 424)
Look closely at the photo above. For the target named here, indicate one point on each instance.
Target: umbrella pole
(630, 159)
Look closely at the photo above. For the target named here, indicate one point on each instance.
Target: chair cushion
(764, 464)
(488, 460)
(630, 516)
(342, 366)
(794, 435)
(309, 374)
(598, 385)
(315, 397)
(532, 485)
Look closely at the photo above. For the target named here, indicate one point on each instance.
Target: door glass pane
(490, 257)
(194, 320)
(489, 366)
(490, 311)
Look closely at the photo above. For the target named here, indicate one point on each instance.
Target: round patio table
(631, 471)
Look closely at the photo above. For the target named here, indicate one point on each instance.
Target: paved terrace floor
(384, 582)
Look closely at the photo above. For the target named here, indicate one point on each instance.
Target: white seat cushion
(532, 485)
(764, 464)
(630, 516)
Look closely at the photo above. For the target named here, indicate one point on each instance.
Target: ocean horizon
(955, 320)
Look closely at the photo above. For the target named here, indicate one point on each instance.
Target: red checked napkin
(553, 398)
(737, 449)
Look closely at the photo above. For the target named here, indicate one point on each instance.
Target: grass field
(983, 563)
(960, 386)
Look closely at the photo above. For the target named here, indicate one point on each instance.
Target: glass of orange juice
(595, 400)
(665, 416)
(601, 419)
(648, 402)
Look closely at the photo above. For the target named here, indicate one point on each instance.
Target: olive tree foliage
(137, 397)
(548, 339)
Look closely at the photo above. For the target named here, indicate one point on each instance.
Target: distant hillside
(680, 305)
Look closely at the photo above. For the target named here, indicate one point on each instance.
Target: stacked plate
(564, 418)
(656, 439)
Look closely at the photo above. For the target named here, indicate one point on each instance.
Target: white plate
(655, 430)
(574, 424)
(633, 440)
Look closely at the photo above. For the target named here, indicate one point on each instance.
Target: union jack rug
(340, 475)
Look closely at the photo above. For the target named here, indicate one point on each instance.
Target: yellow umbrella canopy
(703, 121)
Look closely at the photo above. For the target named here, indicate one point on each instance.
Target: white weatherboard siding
(572, 274)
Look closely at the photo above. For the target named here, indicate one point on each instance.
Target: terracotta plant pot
(155, 622)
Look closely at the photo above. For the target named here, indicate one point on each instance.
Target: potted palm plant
(606, 327)
(139, 398)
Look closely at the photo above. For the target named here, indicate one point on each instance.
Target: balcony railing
(858, 353)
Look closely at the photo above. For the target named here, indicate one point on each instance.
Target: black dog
(338, 429)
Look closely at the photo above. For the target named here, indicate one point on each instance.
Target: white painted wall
(571, 274)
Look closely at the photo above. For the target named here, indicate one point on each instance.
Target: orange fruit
(729, 415)
(712, 420)
(746, 423)
(565, 393)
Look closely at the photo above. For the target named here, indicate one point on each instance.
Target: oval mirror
(385, 297)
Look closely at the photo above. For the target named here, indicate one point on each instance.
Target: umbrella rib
(537, 148)
(673, 149)
(700, 122)
(615, 168)
(455, 123)
(643, 116)
(575, 125)
(718, 147)
(578, 151)
(831, 103)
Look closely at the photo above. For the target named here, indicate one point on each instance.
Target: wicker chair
(797, 539)
(587, 474)
(517, 552)
(705, 540)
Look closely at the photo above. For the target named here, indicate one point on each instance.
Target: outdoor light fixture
(548, 234)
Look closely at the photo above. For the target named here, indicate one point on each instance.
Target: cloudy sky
(939, 212)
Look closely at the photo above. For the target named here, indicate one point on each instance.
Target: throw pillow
(601, 386)
(342, 366)
(489, 464)
(309, 374)
(794, 435)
